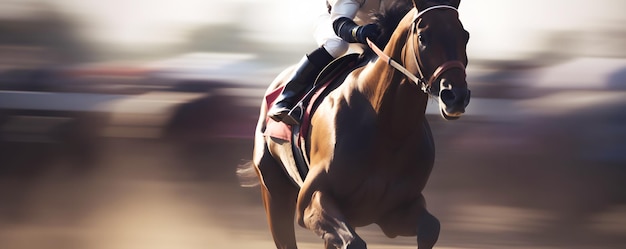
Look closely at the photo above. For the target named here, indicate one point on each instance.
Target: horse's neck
(398, 102)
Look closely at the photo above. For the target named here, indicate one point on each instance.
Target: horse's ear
(420, 4)
(455, 3)
(423, 4)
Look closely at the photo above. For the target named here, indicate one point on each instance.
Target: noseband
(421, 80)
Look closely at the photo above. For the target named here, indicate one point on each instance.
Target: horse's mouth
(450, 116)
(452, 103)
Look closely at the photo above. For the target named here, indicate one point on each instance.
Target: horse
(370, 148)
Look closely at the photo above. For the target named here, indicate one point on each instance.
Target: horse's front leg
(318, 211)
(428, 226)
(427, 230)
(411, 220)
(324, 218)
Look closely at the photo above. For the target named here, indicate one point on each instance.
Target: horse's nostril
(447, 96)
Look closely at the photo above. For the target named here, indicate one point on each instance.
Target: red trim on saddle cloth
(275, 129)
(281, 130)
(306, 117)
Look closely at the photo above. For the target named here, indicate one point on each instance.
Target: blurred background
(122, 123)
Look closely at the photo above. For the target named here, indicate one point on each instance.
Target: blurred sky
(498, 27)
(158, 22)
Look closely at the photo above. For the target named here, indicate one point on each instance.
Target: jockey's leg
(307, 70)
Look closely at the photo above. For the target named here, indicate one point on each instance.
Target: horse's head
(436, 46)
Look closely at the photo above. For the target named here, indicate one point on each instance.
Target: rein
(419, 81)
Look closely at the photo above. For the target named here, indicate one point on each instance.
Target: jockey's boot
(307, 70)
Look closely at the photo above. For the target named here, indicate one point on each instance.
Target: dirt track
(495, 185)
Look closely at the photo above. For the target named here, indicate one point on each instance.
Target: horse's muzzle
(452, 101)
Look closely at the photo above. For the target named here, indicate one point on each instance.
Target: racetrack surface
(505, 184)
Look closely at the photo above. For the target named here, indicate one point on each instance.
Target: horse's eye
(422, 38)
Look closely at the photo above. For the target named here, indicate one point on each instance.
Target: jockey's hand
(367, 31)
(351, 32)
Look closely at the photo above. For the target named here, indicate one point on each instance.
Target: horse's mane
(391, 13)
(388, 18)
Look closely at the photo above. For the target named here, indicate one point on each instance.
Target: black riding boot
(308, 69)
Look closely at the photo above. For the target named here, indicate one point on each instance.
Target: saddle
(295, 134)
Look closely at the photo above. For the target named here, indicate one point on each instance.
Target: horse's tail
(247, 175)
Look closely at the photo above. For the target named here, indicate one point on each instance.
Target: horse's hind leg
(279, 197)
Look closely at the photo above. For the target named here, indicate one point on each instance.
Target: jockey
(346, 22)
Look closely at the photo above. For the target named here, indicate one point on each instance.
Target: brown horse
(370, 147)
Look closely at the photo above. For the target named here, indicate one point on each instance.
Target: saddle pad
(331, 73)
(275, 129)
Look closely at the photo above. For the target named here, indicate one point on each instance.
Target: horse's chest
(377, 196)
(368, 168)
(384, 182)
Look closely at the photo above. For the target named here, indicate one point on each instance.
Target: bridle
(421, 81)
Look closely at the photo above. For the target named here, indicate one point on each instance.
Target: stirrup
(278, 112)
(294, 117)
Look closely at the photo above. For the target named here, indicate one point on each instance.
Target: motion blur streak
(122, 124)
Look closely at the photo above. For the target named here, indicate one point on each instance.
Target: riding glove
(351, 32)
